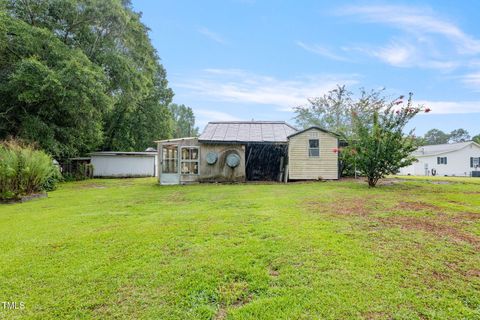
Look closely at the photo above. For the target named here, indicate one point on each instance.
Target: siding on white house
(303, 167)
(458, 162)
(124, 165)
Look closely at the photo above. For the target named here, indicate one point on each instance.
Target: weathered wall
(124, 166)
(220, 172)
(303, 167)
(189, 142)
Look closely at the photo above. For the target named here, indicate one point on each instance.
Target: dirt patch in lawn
(435, 228)
(465, 217)
(416, 206)
(343, 207)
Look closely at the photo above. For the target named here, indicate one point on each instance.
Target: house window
(441, 160)
(190, 160)
(169, 159)
(313, 148)
(474, 162)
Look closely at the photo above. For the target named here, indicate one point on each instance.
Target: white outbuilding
(124, 164)
(452, 159)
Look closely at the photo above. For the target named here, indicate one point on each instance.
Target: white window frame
(189, 160)
(163, 160)
(310, 148)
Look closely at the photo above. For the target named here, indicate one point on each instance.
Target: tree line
(82, 75)
(437, 136)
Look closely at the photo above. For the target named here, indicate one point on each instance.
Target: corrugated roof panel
(232, 132)
(279, 132)
(220, 132)
(256, 132)
(267, 132)
(209, 131)
(246, 131)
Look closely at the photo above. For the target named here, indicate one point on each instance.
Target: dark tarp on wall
(265, 162)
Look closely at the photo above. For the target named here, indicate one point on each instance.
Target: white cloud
(428, 41)
(203, 116)
(240, 86)
(212, 35)
(417, 21)
(448, 107)
(472, 80)
(322, 51)
(396, 54)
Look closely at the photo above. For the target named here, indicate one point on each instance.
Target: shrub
(25, 170)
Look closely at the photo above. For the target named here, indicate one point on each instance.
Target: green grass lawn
(334, 250)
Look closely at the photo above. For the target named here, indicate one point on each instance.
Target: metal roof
(313, 127)
(124, 153)
(431, 150)
(247, 132)
(175, 139)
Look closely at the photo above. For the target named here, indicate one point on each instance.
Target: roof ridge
(445, 144)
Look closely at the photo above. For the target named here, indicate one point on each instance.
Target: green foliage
(50, 94)
(98, 67)
(82, 171)
(436, 136)
(334, 110)
(183, 121)
(24, 170)
(476, 138)
(459, 135)
(379, 145)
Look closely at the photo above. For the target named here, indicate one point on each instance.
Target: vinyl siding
(458, 163)
(303, 167)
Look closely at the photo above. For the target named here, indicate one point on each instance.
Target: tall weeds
(25, 170)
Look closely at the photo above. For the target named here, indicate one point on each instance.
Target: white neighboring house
(453, 159)
(124, 164)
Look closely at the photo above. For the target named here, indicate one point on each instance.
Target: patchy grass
(409, 249)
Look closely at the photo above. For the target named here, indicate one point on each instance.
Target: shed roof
(247, 132)
(310, 128)
(431, 150)
(124, 153)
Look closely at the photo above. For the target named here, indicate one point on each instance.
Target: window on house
(169, 159)
(441, 160)
(313, 148)
(475, 162)
(190, 160)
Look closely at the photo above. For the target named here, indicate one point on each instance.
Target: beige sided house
(249, 151)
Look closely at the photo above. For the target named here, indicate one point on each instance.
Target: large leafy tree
(112, 36)
(334, 111)
(459, 135)
(380, 145)
(184, 121)
(50, 93)
(435, 136)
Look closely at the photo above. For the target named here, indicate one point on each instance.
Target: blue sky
(254, 59)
